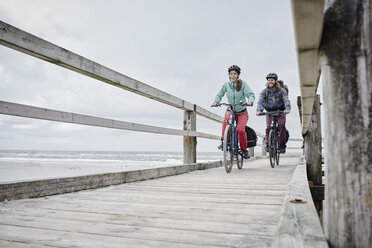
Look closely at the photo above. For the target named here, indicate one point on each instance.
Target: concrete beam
(308, 22)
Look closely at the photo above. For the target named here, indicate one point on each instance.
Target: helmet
(235, 68)
(272, 75)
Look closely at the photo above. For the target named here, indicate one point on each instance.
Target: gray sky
(183, 47)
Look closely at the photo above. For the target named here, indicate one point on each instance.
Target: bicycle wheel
(277, 157)
(272, 149)
(228, 154)
(239, 161)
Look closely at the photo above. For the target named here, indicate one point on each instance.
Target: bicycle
(273, 139)
(230, 142)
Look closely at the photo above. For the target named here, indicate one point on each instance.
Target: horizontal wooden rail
(55, 115)
(22, 41)
(52, 186)
(299, 225)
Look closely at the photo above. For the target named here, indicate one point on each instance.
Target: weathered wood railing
(27, 43)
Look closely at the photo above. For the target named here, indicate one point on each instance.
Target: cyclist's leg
(242, 121)
(268, 127)
(282, 133)
(225, 122)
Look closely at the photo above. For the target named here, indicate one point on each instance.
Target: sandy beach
(25, 171)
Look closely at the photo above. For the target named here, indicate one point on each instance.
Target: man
(273, 98)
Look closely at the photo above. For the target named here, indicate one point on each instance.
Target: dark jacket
(272, 101)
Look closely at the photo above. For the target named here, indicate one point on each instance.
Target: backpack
(251, 137)
(282, 85)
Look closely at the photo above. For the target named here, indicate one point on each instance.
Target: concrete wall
(346, 70)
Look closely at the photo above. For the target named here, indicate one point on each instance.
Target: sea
(20, 165)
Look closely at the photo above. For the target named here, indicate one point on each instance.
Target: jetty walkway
(254, 207)
(203, 208)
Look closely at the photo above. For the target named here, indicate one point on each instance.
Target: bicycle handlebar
(273, 113)
(233, 104)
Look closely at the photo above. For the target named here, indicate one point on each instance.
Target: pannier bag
(251, 137)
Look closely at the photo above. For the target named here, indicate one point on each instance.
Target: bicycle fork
(234, 136)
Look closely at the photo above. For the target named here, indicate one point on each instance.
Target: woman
(236, 91)
(273, 98)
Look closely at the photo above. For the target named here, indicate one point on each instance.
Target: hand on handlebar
(259, 113)
(218, 104)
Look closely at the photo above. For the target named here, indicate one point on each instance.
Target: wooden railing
(27, 43)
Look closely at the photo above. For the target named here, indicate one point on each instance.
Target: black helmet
(235, 68)
(272, 75)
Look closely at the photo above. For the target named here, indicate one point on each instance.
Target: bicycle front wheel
(277, 156)
(239, 160)
(228, 154)
(272, 149)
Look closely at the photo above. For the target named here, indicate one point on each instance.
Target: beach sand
(25, 171)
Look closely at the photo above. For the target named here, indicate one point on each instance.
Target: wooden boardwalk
(208, 208)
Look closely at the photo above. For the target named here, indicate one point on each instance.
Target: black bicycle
(273, 139)
(230, 143)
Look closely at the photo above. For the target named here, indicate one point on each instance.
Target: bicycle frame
(231, 144)
(233, 122)
(273, 139)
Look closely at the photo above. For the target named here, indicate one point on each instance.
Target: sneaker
(246, 154)
(282, 149)
(220, 147)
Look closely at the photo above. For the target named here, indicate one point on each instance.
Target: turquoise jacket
(234, 96)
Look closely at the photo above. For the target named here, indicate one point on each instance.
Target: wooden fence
(27, 43)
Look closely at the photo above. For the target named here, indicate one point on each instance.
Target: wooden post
(299, 104)
(264, 146)
(347, 85)
(189, 143)
(313, 146)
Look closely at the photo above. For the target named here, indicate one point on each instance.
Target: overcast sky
(183, 47)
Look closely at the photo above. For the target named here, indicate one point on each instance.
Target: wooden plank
(69, 239)
(174, 235)
(40, 188)
(164, 222)
(267, 217)
(143, 197)
(187, 211)
(299, 225)
(27, 43)
(313, 145)
(15, 109)
(348, 122)
(189, 143)
(18, 244)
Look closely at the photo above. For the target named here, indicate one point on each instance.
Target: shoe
(220, 147)
(282, 149)
(246, 154)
